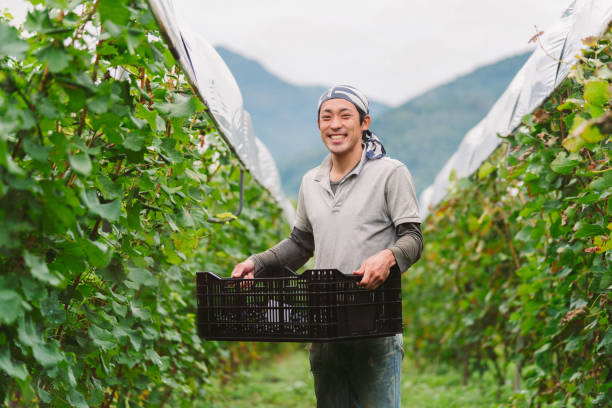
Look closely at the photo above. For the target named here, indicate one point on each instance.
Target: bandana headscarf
(373, 146)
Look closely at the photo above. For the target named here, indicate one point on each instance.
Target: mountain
(284, 116)
(424, 132)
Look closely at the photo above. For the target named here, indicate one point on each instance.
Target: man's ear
(366, 122)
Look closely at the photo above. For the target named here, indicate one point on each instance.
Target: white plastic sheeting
(215, 85)
(547, 67)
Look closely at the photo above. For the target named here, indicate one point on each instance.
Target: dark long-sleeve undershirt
(299, 247)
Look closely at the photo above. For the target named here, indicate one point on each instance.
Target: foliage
(109, 169)
(517, 261)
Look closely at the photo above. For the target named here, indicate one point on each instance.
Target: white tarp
(215, 85)
(547, 67)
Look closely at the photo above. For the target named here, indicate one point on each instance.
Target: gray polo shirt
(359, 220)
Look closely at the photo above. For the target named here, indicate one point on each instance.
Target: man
(359, 211)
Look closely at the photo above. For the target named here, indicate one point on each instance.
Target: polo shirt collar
(322, 174)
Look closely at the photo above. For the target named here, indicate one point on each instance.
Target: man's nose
(335, 123)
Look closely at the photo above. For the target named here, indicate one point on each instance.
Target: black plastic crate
(318, 305)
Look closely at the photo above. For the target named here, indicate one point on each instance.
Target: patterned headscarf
(373, 146)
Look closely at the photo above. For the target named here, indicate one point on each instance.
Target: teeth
(337, 137)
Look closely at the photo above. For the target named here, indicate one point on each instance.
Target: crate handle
(393, 270)
(357, 278)
(290, 273)
(284, 272)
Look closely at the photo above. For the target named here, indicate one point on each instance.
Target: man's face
(340, 128)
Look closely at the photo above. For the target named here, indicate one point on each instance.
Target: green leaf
(109, 211)
(524, 234)
(142, 276)
(7, 161)
(113, 272)
(98, 253)
(573, 144)
(149, 115)
(52, 310)
(57, 58)
(563, 164)
(570, 104)
(33, 289)
(486, 169)
(10, 43)
(106, 50)
(114, 11)
(119, 309)
(39, 269)
(542, 349)
(80, 163)
(228, 216)
(99, 104)
(47, 354)
(589, 230)
(574, 343)
(134, 38)
(110, 190)
(134, 142)
(101, 337)
(153, 356)
(602, 183)
(36, 151)
(76, 399)
(168, 148)
(606, 341)
(44, 395)
(592, 134)
(11, 306)
(28, 333)
(597, 93)
(181, 107)
(18, 370)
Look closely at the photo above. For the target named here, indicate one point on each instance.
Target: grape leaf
(10, 43)
(39, 269)
(18, 370)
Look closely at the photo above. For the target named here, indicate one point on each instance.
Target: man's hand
(245, 269)
(375, 269)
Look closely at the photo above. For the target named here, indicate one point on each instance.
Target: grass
(284, 380)
(437, 387)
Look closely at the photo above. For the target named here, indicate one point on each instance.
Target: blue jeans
(358, 373)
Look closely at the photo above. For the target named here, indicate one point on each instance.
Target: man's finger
(360, 271)
(374, 281)
(237, 272)
(248, 284)
(366, 278)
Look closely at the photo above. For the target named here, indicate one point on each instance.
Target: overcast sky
(392, 49)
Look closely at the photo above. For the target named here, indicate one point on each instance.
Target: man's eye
(325, 117)
(346, 116)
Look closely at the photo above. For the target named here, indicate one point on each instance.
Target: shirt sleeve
(409, 245)
(301, 217)
(292, 252)
(401, 200)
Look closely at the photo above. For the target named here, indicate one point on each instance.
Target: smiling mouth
(337, 137)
